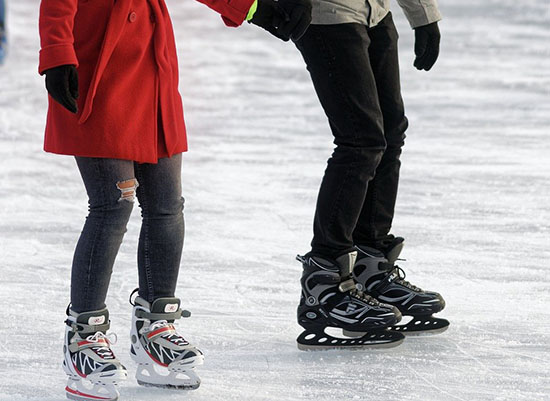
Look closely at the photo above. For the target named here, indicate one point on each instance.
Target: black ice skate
(377, 275)
(330, 299)
(164, 357)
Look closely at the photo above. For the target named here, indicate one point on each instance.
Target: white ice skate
(164, 358)
(91, 365)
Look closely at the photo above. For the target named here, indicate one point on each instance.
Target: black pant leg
(338, 60)
(376, 218)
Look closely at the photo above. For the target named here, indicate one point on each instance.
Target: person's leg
(338, 60)
(376, 217)
(2, 17)
(3, 29)
(110, 184)
(162, 230)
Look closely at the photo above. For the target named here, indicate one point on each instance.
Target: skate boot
(377, 274)
(92, 367)
(330, 299)
(164, 358)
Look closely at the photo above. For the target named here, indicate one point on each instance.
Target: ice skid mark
(484, 366)
(506, 351)
(264, 338)
(127, 190)
(429, 383)
(472, 205)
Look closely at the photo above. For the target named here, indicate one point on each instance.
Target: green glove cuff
(252, 10)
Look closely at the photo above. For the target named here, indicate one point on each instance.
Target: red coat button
(132, 17)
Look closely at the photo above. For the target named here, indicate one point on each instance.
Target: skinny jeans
(355, 72)
(111, 185)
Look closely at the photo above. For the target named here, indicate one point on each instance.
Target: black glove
(285, 19)
(62, 85)
(426, 46)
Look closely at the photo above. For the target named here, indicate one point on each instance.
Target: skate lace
(364, 297)
(401, 279)
(174, 337)
(158, 325)
(104, 351)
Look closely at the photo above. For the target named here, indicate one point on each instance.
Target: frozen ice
(473, 205)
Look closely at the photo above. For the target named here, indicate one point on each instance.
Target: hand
(426, 46)
(285, 19)
(62, 85)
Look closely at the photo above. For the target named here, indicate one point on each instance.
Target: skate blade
(311, 341)
(192, 386)
(422, 326)
(420, 333)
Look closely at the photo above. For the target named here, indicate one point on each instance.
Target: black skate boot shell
(377, 274)
(330, 299)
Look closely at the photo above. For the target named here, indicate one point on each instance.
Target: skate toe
(189, 361)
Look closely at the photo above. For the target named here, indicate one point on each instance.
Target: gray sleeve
(420, 12)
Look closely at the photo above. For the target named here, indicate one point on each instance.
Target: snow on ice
(473, 205)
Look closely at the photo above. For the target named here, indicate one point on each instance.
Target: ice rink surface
(473, 205)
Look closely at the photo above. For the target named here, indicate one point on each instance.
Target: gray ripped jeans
(111, 185)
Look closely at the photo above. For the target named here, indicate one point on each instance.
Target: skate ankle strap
(161, 331)
(83, 344)
(83, 328)
(347, 285)
(143, 314)
(386, 266)
(383, 284)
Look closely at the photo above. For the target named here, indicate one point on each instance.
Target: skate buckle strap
(347, 285)
(384, 283)
(143, 314)
(87, 328)
(161, 331)
(97, 340)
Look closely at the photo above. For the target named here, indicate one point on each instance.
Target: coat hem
(119, 157)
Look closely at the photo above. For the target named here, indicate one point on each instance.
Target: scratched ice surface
(473, 205)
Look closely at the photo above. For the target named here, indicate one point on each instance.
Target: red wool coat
(129, 105)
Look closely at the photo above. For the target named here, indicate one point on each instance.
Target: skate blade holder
(85, 390)
(335, 338)
(421, 326)
(178, 377)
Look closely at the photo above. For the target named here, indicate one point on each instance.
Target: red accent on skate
(154, 359)
(161, 330)
(76, 392)
(78, 371)
(101, 341)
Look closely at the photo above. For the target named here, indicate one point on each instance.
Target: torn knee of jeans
(127, 190)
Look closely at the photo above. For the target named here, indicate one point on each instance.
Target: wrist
(252, 10)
